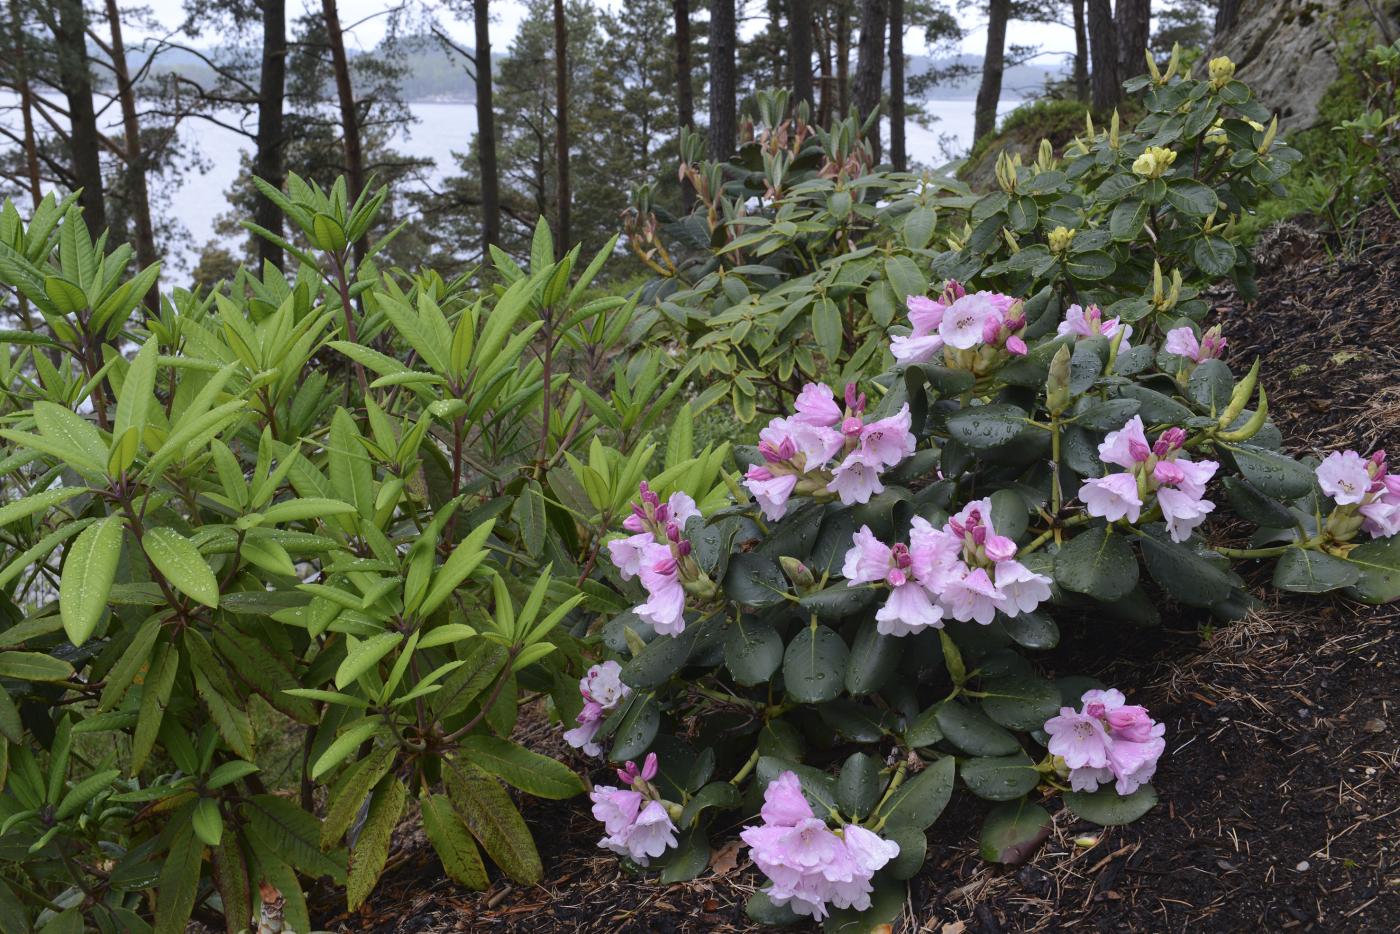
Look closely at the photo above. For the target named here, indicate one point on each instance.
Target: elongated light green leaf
(88, 572)
(365, 656)
(179, 560)
(464, 559)
(12, 512)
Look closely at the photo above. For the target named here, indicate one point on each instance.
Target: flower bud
(1222, 70)
(1016, 347)
(1057, 382)
(1060, 239)
(1154, 162)
(798, 573)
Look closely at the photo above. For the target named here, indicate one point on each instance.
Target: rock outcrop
(1286, 50)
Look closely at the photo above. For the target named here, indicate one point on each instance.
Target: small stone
(1374, 725)
(1304, 866)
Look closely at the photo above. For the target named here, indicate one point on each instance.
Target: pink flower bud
(952, 291)
(683, 546)
(636, 522)
(991, 329)
(628, 773)
(1000, 548)
(1168, 473)
(851, 426)
(673, 532)
(758, 473)
(649, 767)
(900, 553)
(1139, 450)
(1016, 346)
(648, 496)
(1169, 441)
(896, 577)
(851, 395)
(1093, 316)
(1094, 709)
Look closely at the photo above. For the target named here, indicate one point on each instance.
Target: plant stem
(1273, 552)
(743, 772)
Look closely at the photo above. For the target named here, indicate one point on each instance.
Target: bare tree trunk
(1225, 15)
(870, 65)
(826, 78)
(26, 105)
(898, 154)
(723, 116)
(843, 57)
(1133, 19)
(267, 159)
(800, 50)
(70, 39)
(561, 127)
(349, 118)
(486, 130)
(1081, 53)
(685, 89)
(135, 156)
(993, 66)
(1103, 47)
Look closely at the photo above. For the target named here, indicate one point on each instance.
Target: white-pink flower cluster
(1182, 341)
(1178, 482)
(1365, 486)
(823, 449)
(602, 690)
(1107, 740)
(957, 325)
(1090, 322)
(635, 820)
(810, 865)
(963, 571)
(659, 554)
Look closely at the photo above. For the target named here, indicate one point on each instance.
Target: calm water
(443, 129)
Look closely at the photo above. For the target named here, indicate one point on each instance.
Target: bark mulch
(1280, 790)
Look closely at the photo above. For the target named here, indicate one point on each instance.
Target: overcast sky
(507, 16)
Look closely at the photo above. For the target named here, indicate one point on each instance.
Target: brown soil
(1280, 792)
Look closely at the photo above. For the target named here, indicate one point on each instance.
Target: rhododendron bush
(853, 636)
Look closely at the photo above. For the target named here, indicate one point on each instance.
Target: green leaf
(494, 821)
(365, 656)
(372, 845)
(858, 785)
(208, 822)
(296, 510)
(1108, 808)
(1020, 702)
(904, 275)
(1013, 831)
(1098, 563)
(1182, 572)
(918, 227)
(972, 731)
(1379, 561)
(921, 799)
(1214, 255)
(714, 795)
(1272, 473)
(294, 835)
(34, 666)
(345, 744)
(987, 426)
(913, 850)
(688, 859)
(1000, 778)
(827, 327)
(760, 908)
(1090, 265)
(180, 562)
(39, 502)
(755, 580)
(84, 791)
(529, 771)
(1191, 197)
(1303, 571)
(637, 727)
(1247, 500)
(88, 571)
(454, 846)
(138, 389)
(752, 652)
(873, 659)
(179, 882)
(1127, 219)
(814, 665)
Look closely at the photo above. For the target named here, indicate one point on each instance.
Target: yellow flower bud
(1215, 136)
(1222, 70)
(1060, 239)
(1154, 162)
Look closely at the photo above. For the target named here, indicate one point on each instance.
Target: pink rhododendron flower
(909, 349)
(816, 405)
(964, 320)
(642, 831)
(809, 866)
(888, 440)
(1182, 512)
(664, 609)
(857, 478)
(770, 492)
(1182, 341)
(909, 609)
(659, 554)
(868, 559)
(972, 596)
(1343, 476)
(1091, 323)
(1113, 497)
(1127, 447)
(626, 553)
(1021, 589)
(602, 690)
(1106, 740)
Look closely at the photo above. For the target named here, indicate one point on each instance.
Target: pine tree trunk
(26, 105)
(1103, 50)
(1225, 15)
(843, 58)
(562, 195)
(898, 154)
(135, 156)
(723, 116)
(870, 65)
(800, 50)
(486, 130)
(826, 79)
(349, 118)
(1133, 19)
(267, 159)
(70, 40)
(685, 89)
(1081, 53)
(993, 66)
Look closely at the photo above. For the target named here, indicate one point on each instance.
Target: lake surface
(442, 130)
